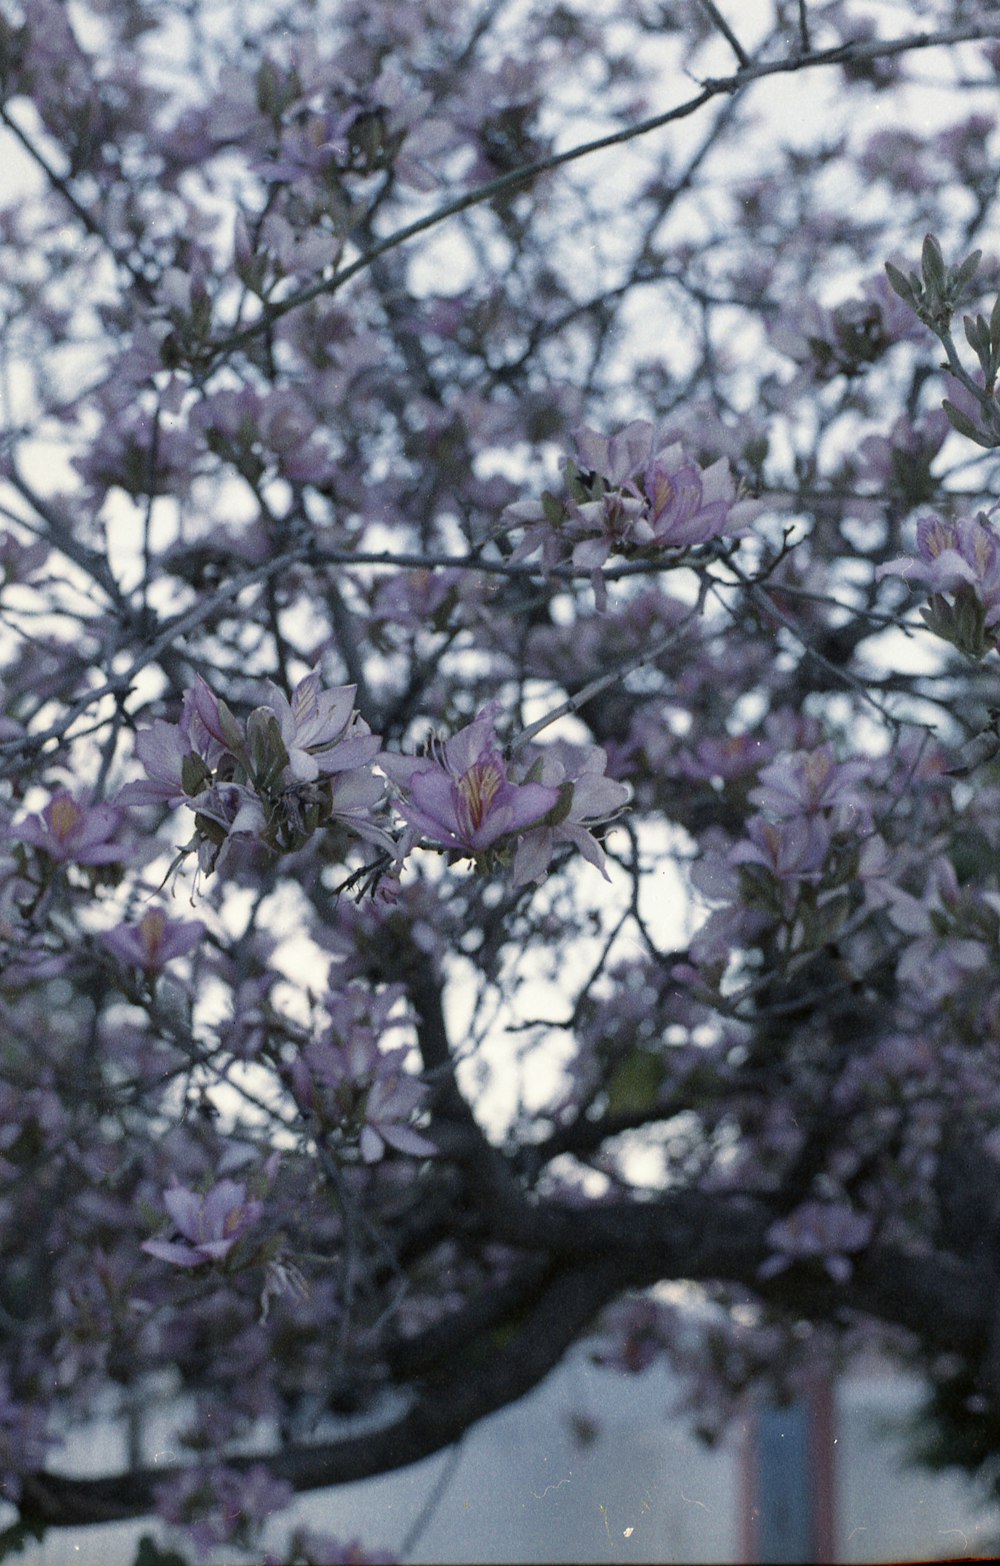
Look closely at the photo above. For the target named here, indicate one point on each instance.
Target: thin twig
(574, 703)
(712, 10)
(804, 27)
(713, 87)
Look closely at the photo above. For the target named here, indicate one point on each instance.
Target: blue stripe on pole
(784, 1485)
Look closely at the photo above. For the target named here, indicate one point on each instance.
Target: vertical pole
(788, 1500)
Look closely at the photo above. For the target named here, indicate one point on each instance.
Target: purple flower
(687, 505)
(806, 782)
(793, 850)
(209, 1225)
(154, 941)
(818, 1231)
(164, 750)
(464, 802)
(320, 729)
(952, 555)
(616, 458)
(586, 799)
(72, 832)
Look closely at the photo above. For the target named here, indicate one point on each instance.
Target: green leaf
(231, 730)
(964, 425)
(995, 326)
(635, 1083)
(195, 775)
(963, 274)
(932, 264)
(900, 284)
(553, 508)
(268, 756)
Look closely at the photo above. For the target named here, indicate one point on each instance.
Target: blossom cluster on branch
(499, 749)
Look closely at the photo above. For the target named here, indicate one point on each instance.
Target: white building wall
(521, 1489)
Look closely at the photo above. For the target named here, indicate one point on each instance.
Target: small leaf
(963, 274)
(964, 425)
(932, 264)
(900, 284)
(635, 1083)
(195, 774)
(553, 508)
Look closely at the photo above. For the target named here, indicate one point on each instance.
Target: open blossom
(73, 832)
(794, 849)
(952, 555)
(805, 782)
(461, 797)
(586, 799)
(154, 941)
(320, 729)
(209, 1226)
(687, 505)
(818, 1231)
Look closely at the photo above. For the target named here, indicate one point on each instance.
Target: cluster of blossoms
(222, 1505)
(807, 801)
(846, 339)
(627, 494)
(355, 1088)
(306, 763)
(959, 561)
(296, 765)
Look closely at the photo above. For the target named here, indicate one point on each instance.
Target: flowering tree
(500, 607)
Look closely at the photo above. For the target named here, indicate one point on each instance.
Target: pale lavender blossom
(350, 1081)
(154, 941)
(320, 729)
(793, 850)
(617, 458)
(460, 797)
(952, 555)
(818, 1231)
(945, 948)
(166, 753)
(587, 799)
(209, 1226)
(70, 831)
(688, 505)
(806, 782)
(222, 1505)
